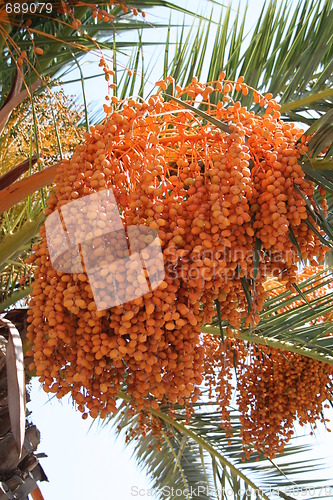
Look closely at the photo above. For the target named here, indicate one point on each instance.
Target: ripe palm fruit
(211, 194)
(275, 389)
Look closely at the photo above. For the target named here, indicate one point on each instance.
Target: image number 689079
(28, 8)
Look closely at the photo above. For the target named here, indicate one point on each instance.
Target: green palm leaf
(61, 41)
(200, 459)
(289, 55)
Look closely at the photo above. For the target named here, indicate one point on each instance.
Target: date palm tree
(289, 55)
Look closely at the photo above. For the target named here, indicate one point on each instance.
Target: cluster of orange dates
(274, 388)
(212, 193)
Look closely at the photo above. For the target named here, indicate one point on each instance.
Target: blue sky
(87, 464)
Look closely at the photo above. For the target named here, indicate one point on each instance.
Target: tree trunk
(18, 475)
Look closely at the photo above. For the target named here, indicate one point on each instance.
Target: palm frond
(287, 53)
(62, 40)
(199, 459)
(321, 140)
